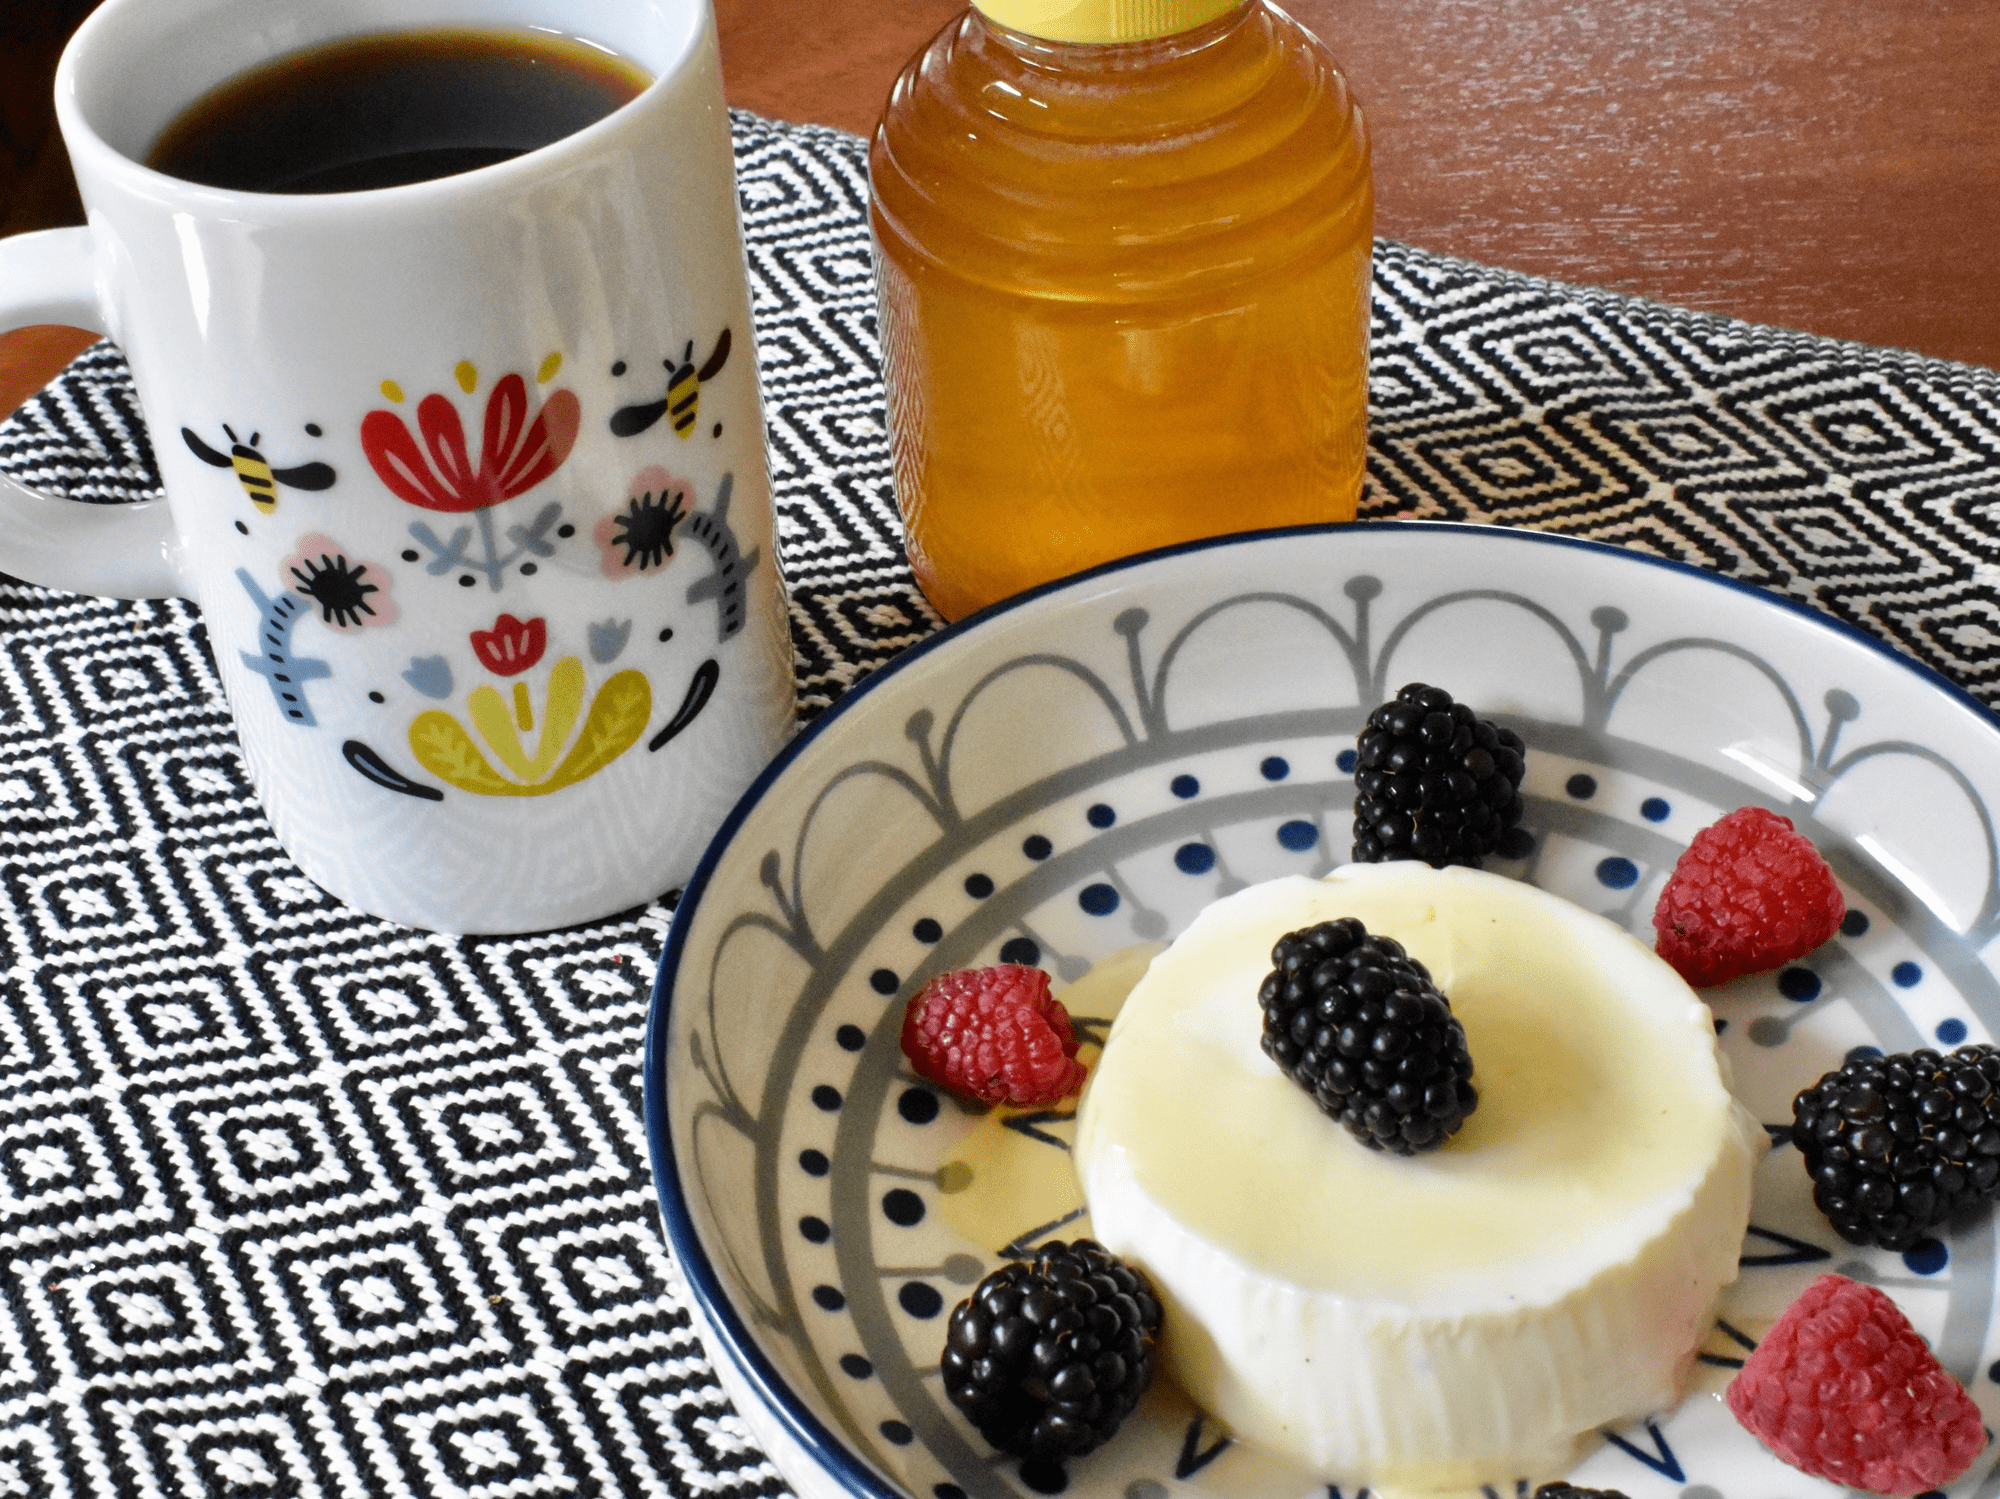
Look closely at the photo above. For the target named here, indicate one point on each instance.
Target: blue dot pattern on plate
(884, 981)
(1951, 1031)
(1800, 984)
(1023, 950)
(854, 1366)
(826, 1097)
(1097, 900)
(1158, 859)
(851, 1037)
(1926, 1257)
(1194, 858)
(1906, 974)
(1617, 872)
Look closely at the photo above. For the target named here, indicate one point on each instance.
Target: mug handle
(118, 551)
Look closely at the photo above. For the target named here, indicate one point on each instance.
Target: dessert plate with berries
(1799, 818)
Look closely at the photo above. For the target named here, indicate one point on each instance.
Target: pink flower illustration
(640, 537)
(351, 594)
(517, 450)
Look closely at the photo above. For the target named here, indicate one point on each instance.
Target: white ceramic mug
(500, 658)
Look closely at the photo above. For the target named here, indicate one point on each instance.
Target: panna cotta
(1467, 1315)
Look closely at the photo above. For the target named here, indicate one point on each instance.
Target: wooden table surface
(1818, 164)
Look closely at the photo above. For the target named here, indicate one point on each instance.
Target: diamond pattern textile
(295, 1202)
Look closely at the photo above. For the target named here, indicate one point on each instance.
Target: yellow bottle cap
(1102, 20)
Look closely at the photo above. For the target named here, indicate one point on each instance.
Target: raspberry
(1047, 1358)
(994, 1034)
(1749, 894)
(1843, 1388)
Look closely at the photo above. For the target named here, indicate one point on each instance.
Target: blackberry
(1357, 1023)
(1571, 1491)
(1047, 1357)
(1436, 783)
(1896, 1145)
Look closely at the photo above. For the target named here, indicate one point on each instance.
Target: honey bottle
(1122, 262)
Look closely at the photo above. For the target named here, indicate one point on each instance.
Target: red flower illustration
(516, 453)
(512, 645)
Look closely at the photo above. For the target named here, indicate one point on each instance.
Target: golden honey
(1123, 295)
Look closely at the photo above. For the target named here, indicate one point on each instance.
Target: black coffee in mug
(393, 108)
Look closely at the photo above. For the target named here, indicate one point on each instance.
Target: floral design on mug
(640, 538)
(682, 402)
(369, 762)
(710, 528)
(351, 595)
(512, 645)
(520, 446)
(284, 672)
(348, 595)
(607, 639)
(516, 747)
(430, 675)
(700, 688)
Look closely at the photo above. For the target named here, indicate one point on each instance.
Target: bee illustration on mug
(254, 472)
(682, 401)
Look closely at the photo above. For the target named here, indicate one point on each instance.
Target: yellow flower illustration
(519, 761)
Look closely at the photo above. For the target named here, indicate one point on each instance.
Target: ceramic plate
(1075, 774)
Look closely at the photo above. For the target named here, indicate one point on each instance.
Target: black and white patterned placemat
(296, 1203)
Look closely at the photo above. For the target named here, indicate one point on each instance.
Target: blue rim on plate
(706, 1286)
